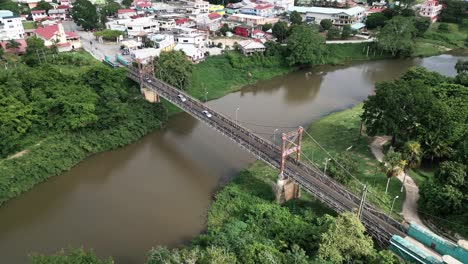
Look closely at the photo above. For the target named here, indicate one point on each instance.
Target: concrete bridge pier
(285, 189)
(150, 95)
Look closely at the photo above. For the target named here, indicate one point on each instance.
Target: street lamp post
(404, 180)
(326, 163)
(274, 135)
(391, 208)
(206, 96)
(237, 110)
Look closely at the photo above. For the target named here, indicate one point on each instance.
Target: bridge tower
(146, 71)
(285, 188)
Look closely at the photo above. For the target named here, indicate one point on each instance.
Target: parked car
(207, 114)
(182, 98)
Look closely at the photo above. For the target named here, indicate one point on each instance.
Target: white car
(207, 114)
(182, 98)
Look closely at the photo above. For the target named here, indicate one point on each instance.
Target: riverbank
(47, 151)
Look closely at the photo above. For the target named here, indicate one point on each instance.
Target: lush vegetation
(427, 116)
(63, 109)
(246, 225)
(85, 14)
(108, 34)
(71, 256)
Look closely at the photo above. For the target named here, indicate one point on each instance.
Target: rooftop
(325, 10)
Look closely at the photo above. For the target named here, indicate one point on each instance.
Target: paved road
(96, 49)
(325, 189)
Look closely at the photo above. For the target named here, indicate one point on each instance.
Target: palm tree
(412, 155)
(12, 44)
(394, 165)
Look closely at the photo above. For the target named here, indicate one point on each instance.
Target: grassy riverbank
(62, 115)
(435, 41)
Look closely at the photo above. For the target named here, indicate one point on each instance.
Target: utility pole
(363, 202)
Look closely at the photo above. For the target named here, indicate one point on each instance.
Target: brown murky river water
(157, 191)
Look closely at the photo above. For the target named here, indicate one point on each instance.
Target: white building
(144, 54)
(141, 26)
(197, 6)
(250, 47)
(58, 14)
(198, 40)
(430, 9)
(193, 53)
(164, 42)
(38, 14)
(125, 13)
(340, 17)
(10, 26)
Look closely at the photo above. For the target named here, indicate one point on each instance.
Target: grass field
(29, 25)
(436, 41)
(341, 53)
(339, 131)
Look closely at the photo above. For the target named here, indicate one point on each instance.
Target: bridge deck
(322, 187)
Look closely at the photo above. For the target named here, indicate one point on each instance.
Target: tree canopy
(295, 18)
(375, 20)
(174, 68)
(397, 35)
(43, 5)
(280, 30)
(85, 14)
(10, 5)
(326, 24)
(305, 46)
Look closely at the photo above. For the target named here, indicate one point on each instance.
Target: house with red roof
(38, 14)
(262, 36)
(126, 13)
(211, 22)
(56, 35)
(265, 10)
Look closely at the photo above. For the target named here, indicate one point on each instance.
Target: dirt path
(410, 206)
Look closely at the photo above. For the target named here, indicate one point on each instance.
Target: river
(157, 191)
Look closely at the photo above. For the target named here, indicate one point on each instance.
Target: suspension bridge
(325, 189)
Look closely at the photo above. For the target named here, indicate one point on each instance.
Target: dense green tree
(375, 20)
(295, 18)
(15, 121)
(127, 3)
(462, 72)
(341, 168)
(394, 165)
(407, 12)
(421, 24)
(73, 256)
(326, 24)
(280, 30)
(35, 48)
(224, 29)
(43, 5)
(346, 32)
(333, 33)
(396, 36)
(110, 8)
(452, 173)
(174, 68)
(345, 241)
(306, 46)
(267, 27)
(85, 14)
(454, 11)
(13, 6)
(391, 12)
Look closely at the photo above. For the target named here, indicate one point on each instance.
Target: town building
(58, 14)
(11, 26)
(38, 14)
(197, 6)
(198, 40)
(262, 36)
(265, 10)
(249, 47)
(126, 13)
(252, 20)
(211, 22)
(193, 53)
(430, 9)
(217, 8)
(163, 42)
(56, 35)
(340, 17)
(141, 26)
